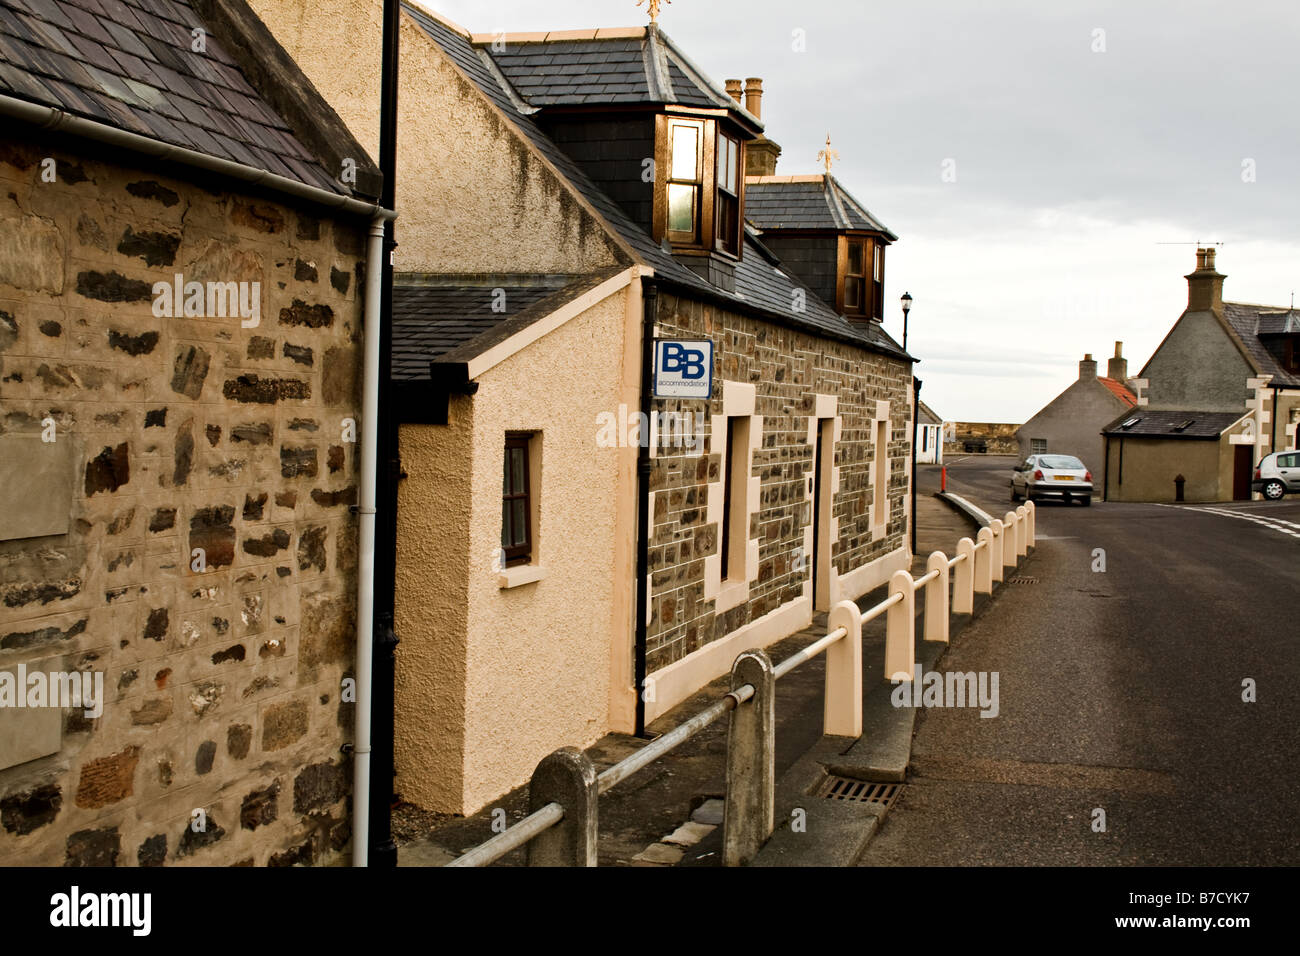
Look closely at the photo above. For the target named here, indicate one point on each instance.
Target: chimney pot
(1087, 368)
(1117, 367)
(1205, 285)
(754, 96)
(733, 89)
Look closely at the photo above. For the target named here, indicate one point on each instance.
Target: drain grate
(1021, 579)
(859, 791)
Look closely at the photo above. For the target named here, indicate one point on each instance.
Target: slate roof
(806, 202)
(760, 283)
(1119, 390)
(1252, 321)
(926, 416)
(1162, 423)
(605, 66)
(129, 64)
(446, 311)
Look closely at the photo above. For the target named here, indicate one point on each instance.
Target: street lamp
(916, 407)
(907, 307)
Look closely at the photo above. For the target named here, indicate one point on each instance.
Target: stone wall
(223, 687)
(788, 369)
(999, 436)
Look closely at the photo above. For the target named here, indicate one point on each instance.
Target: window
(1038, 446)
(877, 280)
(685, 180)
(855, 278)
(735, 497)
(699, 207)
(516, 503)
(727, 204)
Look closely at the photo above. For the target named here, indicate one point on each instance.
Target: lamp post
(907, 307)
(916, 408)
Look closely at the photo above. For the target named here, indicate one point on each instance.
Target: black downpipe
(916, 412)
(383, 851)
(1105, 475)
(650, 303)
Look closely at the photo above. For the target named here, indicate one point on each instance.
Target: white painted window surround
(880, 425)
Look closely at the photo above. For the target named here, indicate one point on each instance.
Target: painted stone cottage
(1219, 393)
(181, 260)
(567, 199)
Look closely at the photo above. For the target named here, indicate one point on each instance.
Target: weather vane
(654, 8)
(828, 156)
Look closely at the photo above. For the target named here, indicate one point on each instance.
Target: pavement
(658, 817)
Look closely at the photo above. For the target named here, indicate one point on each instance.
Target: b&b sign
(683, 368)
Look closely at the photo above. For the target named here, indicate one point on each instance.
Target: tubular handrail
(923, 580)
(671, 740)
(513, 838)
(954, 561)
(881, 608)
(808, 653)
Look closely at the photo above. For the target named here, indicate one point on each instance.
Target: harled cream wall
(471, 195)
(433, 512)
(491, 679)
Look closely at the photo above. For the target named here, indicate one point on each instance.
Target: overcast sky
(1082, 135)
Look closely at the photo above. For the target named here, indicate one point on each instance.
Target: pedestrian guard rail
(564, 792)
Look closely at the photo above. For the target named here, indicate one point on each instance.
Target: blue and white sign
(683, 368)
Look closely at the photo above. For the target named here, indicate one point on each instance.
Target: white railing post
(842, 715)
(750, 806)
(1022, 532)
(984, 561)
(1009, 558)
(566, 777)
(1031, 510)
(936, 599)
(997, 546)
(900, 629)
(963, 582)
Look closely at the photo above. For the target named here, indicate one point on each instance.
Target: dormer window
(700, 204)
(862, 277)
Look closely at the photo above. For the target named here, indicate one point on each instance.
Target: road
(1120, 690)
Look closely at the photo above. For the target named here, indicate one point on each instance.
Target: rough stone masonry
(208, 563)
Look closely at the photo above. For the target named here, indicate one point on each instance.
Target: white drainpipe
(366, 547)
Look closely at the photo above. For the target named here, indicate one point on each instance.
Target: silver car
(1052, 476)
(1277, 474)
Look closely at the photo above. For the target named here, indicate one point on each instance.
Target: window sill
(731, 593)
(519, 576)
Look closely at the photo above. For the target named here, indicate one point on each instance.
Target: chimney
(1205, 285)
(760, 154)
(1087, 368)
(754, 96)
(1117, 367)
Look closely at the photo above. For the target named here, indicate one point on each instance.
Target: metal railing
(564, 793)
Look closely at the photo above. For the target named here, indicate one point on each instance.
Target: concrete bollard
(936, 599)
(842, 715)
(1009, 533)
(1022, 532)
(900, 629)
(997, 547)
(963, 579)
(1031, 512)
(984, 561)
(566, 777)
(750, 808)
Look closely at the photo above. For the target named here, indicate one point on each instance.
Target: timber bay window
(516, 503)
(699, 204)
(862, 277)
